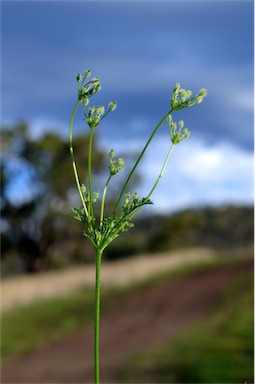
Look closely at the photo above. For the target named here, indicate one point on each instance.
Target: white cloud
(197, 174)
(217, 164)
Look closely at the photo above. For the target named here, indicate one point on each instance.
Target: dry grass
(16, 292)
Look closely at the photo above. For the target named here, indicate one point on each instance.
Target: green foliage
(226, 228)
(221, 228)
(218, 350)
(110, 228)
(31, 327)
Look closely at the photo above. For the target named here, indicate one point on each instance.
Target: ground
(142, 321)
(24, 290)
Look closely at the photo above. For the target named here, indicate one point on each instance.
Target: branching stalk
(158, 179)
(73, 159)
(103, 200)
(162, 171)
(91, 210)
(139, 159)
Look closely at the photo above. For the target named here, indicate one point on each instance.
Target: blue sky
(140, 49)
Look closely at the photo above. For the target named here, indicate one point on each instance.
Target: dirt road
(24, 290)
(143, 321)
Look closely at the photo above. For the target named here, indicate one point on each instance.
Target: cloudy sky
(140, 49)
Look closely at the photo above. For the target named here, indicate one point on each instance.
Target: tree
(37, 188)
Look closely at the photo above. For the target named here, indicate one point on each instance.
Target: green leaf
(130, 206)
(77, 214)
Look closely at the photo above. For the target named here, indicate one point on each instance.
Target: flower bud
(112, 105)
(115, 166)
(199, 99)
(83, 188)
(120, 164)
(186, 133)
(111, 153)
(99, 111)
(91, 111)
(181, 124)
(97, 87)
(78, 77)
(84, 90)
(85, 101)
(203, 92)
(95, 196)
(94, 80)
(135, 197)
(176, 88)
(87, 73)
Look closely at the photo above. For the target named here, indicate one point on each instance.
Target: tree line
(227, 228)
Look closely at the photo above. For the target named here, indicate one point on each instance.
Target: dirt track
(143, 321)
(24, 290)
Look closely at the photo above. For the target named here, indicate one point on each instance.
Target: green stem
(122, 218)
(73, 159)
(103, 200)
(158, 179)
(162, 170)
(140, 157)
(97, 317)
(91, 211)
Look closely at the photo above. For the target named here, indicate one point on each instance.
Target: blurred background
(204, 202)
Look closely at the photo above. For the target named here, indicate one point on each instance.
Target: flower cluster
(182, 98)
(102, 230)
(130, 205)
(86, 195)
(85, 92)
(94, 116)
(177, 135)
(116, 165)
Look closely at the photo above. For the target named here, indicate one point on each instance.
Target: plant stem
(162, 170)
(91, 212)
(73, 159)
(97, 317)
(140, 157)
(158, 179)
(103, 200)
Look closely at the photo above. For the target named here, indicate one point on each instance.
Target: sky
(139, 50)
